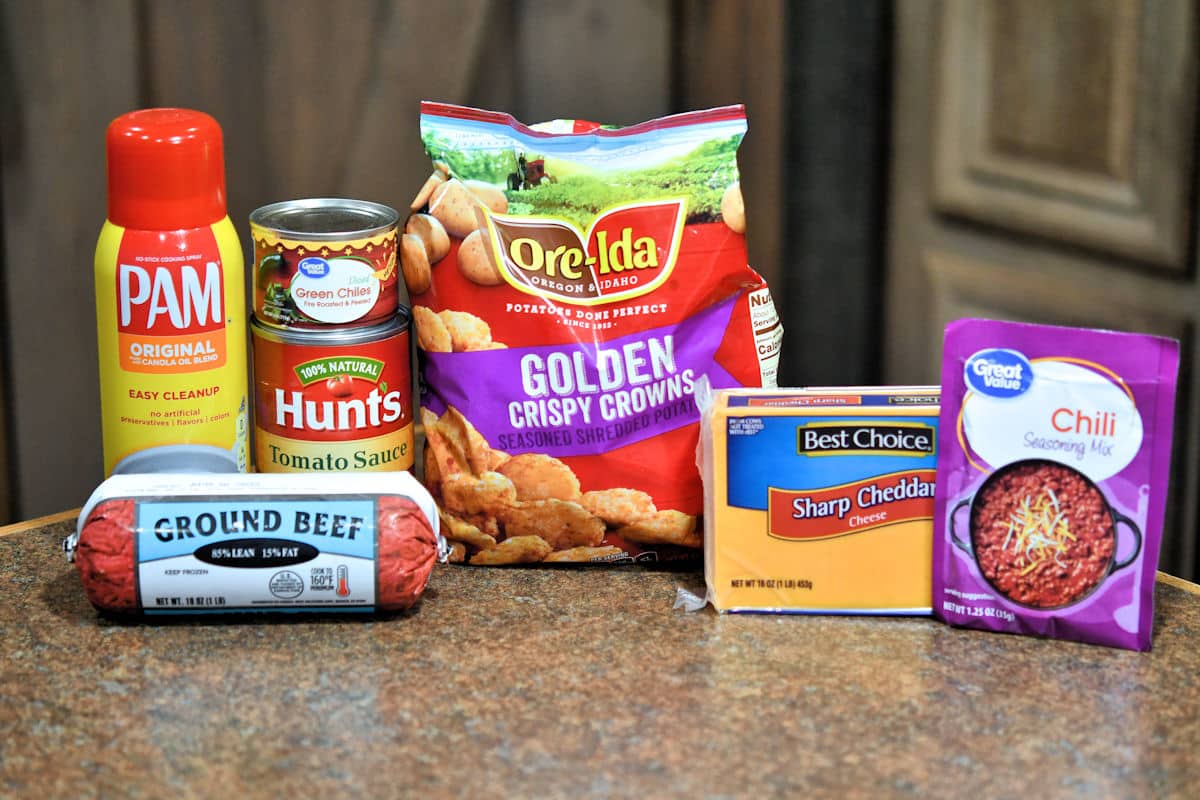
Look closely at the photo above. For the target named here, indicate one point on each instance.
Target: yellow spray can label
(171, 324)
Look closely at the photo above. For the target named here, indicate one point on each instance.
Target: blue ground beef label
(239, 554)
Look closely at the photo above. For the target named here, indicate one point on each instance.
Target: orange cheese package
(570, 284)
(819, 500)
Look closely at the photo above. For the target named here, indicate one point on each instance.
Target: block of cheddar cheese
(819, 500)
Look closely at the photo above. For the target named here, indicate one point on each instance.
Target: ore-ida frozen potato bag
(570, 283)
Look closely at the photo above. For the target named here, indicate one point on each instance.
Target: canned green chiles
(324, 262)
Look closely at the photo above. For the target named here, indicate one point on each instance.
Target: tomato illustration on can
(333, 400)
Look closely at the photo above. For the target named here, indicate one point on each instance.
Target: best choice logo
(823, 438)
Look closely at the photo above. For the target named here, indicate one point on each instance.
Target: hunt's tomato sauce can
(335, 400)
(324, 262)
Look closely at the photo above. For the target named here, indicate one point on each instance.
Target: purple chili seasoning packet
(1054, 451)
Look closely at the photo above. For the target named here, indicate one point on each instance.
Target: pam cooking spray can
(170, 300)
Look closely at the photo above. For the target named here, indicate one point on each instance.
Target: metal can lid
(325, 218)
(333, 334)
(178, 458)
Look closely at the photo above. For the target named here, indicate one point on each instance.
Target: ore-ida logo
(627, 251)
(998, 372)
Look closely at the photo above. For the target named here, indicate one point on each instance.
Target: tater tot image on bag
(467, 331)
(562, 524)
(517, 550)
(619, 506)
(453, 205)
(541, 477)
(593, 275)
(431, 331)
(487, 494)
(665, 527)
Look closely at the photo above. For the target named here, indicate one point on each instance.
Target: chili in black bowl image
(1043, 534)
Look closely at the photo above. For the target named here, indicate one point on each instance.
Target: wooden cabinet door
(1044, 170)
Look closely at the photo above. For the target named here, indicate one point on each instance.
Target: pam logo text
(169, 299)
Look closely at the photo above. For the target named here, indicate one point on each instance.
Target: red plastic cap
(166, 170)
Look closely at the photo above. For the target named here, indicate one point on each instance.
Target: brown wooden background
(907, 162)
(1043, 168)
(316, 98)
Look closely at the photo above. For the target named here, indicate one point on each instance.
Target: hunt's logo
(628, 251)
(349, 396)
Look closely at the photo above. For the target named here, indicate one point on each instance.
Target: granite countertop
(569, 682)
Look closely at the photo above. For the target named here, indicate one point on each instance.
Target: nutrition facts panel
(768, 335)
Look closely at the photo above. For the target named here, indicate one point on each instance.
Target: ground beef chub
(104, 558)
(406, 560)
(1043, 534)
(181, 544)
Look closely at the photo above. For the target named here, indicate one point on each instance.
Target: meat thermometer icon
(343, 580)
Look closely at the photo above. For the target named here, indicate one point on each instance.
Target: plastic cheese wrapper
(570, 283)
(188, 544)
(1054, 454)
(818, 500)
